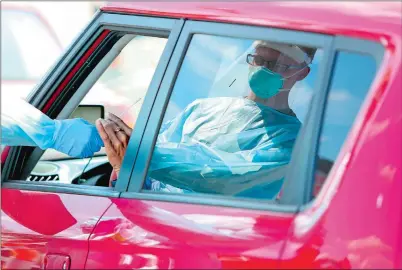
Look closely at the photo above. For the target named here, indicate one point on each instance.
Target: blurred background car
(23, 65)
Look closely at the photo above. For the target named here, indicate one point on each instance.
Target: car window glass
(351, 80)
(121, 90)
(28, 47)
(233, 116)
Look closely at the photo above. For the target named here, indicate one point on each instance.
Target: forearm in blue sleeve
(22, 124)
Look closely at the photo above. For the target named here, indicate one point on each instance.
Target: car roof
(369, 20)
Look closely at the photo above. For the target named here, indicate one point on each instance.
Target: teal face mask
(264, 83)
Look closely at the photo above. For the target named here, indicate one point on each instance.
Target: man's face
(281, 63)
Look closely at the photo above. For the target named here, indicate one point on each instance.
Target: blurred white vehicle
(28, 48)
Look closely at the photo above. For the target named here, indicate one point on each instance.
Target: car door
(48, 210)
(154, 225)
(353, 223)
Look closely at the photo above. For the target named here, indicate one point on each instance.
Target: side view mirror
(89, 112)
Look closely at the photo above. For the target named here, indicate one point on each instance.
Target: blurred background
(33, 36)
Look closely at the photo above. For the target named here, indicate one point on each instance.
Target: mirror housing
(89, 112)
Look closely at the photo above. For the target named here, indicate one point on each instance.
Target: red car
(340, 204)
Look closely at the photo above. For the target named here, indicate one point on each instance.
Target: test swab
(135, 102)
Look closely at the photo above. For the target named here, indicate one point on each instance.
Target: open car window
(122, 87)
(121, 90)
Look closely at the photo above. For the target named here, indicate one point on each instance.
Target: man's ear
(303, 74)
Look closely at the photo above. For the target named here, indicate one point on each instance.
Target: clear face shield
(283, 59)
(263, 67)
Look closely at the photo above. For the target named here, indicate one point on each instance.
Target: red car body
(354, 222)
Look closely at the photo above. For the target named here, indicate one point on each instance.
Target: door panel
(149, 234)
(144, 232)
(355, 221)
(49, 228)
(35, 224)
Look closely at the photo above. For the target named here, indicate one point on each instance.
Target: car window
(28, 47)
(233, 117)
(121, 89)
(351, 80)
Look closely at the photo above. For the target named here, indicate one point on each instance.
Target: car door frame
(46, 95)
(139, 173)
(209, 205)
(301, 172)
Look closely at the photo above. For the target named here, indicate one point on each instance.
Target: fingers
(123, 137)
(110, 129)
(119, 123)
(101, 130)
(104, 135)
(113, 154)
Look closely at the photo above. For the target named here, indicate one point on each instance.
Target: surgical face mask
(264, 83)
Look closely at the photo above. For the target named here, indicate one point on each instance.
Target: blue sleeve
(171, 131)
(22, 124)
(224, 166)
(201, 168)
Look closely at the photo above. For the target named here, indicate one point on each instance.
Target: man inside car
(242, 145)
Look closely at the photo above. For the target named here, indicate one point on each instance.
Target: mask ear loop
(297, 72)
(283, 77)
(284, 90)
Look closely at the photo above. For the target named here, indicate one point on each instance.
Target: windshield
(27, 47)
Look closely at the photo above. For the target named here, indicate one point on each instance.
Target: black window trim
(142, 25)
(141, 165)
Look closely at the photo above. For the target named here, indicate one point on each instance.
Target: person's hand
(76, 138)
(127, 130)
(115, 135)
